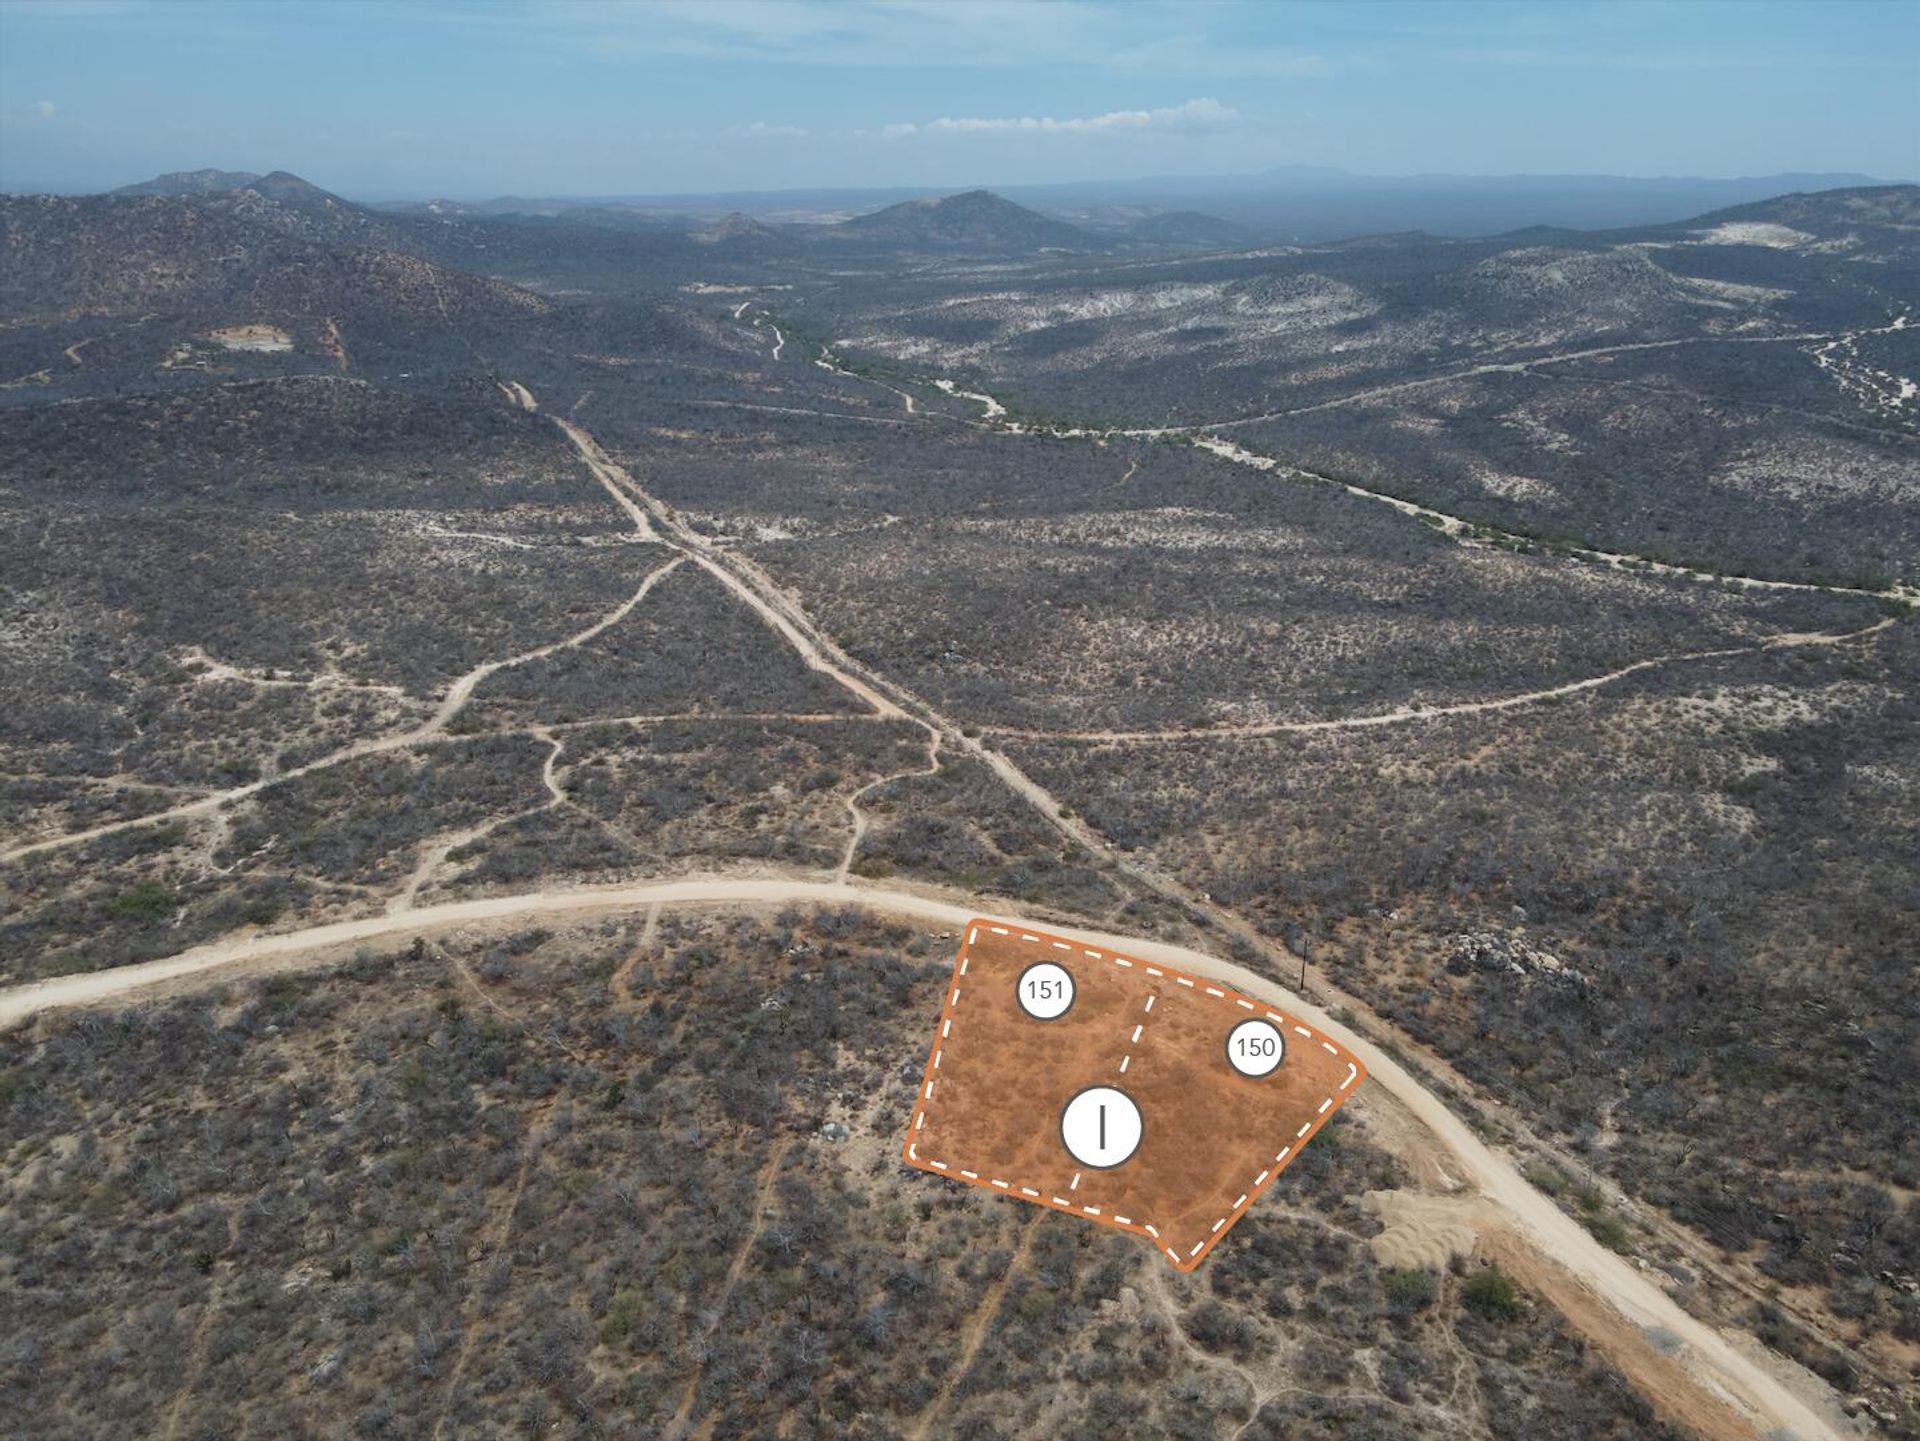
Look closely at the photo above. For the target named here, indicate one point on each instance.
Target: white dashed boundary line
(1105, 1215)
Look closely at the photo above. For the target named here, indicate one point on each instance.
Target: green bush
(1411, 1290)
(145, 901)
(1492, 1294)
(1607, 1230)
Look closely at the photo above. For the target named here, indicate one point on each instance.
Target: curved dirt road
(1718, 1367)
(1520, 367)
(1440, 712)
(1204, 436)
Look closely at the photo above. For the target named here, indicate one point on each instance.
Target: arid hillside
(1508, 645)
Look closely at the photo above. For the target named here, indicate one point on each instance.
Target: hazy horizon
(385, 99)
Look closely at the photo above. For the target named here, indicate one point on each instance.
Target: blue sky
(544, 97)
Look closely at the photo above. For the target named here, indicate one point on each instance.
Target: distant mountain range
(1286, 204)
(1309, 203)
(975, 221)
(235, 254)
(237, 244)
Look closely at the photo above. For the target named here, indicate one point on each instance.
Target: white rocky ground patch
(1173, 527)
(1514, 487)
(1755, 232)
(1512, 953)
(264, 339)
(1816, 469)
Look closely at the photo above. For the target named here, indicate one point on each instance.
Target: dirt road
(767, 602)
(1711, 1361)
(434, 727)
(1465, 532)
(1426, 713)
(1521, 367)
(1472, 533)
(1716, 1367)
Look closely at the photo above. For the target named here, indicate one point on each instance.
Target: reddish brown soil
(997, 1080)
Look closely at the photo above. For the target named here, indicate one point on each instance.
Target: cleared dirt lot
(1001, 1080)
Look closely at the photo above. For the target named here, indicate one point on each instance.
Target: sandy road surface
(1520, 367)
(1475, 707)
(767, 603)
(1472, 533)
(1715, 1364)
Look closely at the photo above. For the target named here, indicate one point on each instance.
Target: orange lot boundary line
(1104, 1216)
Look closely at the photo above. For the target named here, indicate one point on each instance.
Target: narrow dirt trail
(1440, 712)
(434, 851)
(432, 729)
(620, 983)
(539, 1129)
(984, 1315)
(1709, 1360)
(861, 821)
(496, 1242)
(1513, 367)
(1159, 1286)
(762, 1203)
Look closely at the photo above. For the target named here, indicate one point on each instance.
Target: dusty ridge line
(429, 731)
(1404, 714)
(1714, 1362)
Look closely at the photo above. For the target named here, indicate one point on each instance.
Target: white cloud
(45, 109)
(761, 130)
(1191, 116)
(1141, 37)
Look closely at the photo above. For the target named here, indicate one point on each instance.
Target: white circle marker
(1045, 991)
(1256, 1048)
(1101, 1127)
